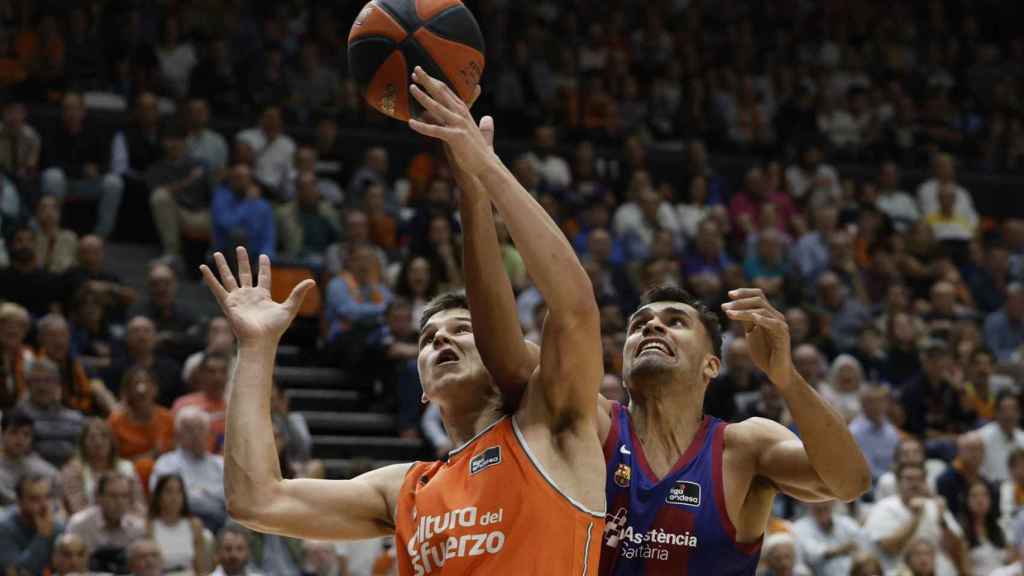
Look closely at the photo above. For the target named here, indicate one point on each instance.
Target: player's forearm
(492, 302)
(251, 467)
(831, 449)
(548, 256)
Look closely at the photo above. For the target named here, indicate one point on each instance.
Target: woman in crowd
(183, 540)
(14, 325)
(843, 387)
(417, 283)
(97, 454)
(985, 537)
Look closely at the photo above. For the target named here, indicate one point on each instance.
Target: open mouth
(654, 346)
(446, 356)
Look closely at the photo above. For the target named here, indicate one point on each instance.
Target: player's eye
(676, 322)
(463, 329)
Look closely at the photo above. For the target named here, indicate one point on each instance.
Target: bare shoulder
(755, 434)
(387, 481)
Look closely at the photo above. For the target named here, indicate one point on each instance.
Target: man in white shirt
(202, 471)
(944, 170)
(272, 151)
(553, 169)
(812, 178)
(1001, 437)
(1015, 569)
(913, 514)
(828, 542)
(894, 202)
(109, 524)
(204, 144)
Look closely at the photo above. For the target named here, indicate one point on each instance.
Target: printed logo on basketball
(484, 460)
(387, 101)
(684, 493)
(622, 475)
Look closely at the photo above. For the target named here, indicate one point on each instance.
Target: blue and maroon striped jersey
(677, 525)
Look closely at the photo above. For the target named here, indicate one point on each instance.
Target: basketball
(389, 38)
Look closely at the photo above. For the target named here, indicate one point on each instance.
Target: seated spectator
(91, 334)
(233, 552)
(241, 216)
(843, 388)
(209, 396)
(1001, 437)
(873, 430)
(140, 350)
(55, 428)
(145, 558)
(846, 314)
(90, 269)
(986, 541)
(29, 530)
(19, 153)
(1011, 491)
(947, 224)
(707, 254)
(74, 162)
(767, 267)
(952, 484)
(218, 79)
(220, 339)
(828, 542)
(274, 554)
(1004, 328)
(897, 204)
(551, 167)
(320, 559)
(180, 197)
(811, 180)
(202, 471)
(356, 298)
(204, 145)
(910, 450)
(177, 58)
(418, 284)
(779, 556)
(811, 253)
(180, 535)
(308, 224)
(921, 559)
(24, 282)
(97, 455)
(316, 88)
(17, 458)
(78, 390)
(296, 440)
(746, 205)
(144, 430)
(866, 564)
(383, 226)
(930, 399)
(738, 385)
(110, 525)
(272, 151)
(55, 247)
(307, 159)
(137, 147)
(374, 170)
(392, 350)
(14, 325)
(176, 321)
(897, 521)
(944, 175)
(644, 211)
(807, 360)
(70, 556)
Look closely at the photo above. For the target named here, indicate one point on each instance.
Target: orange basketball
(390, 38)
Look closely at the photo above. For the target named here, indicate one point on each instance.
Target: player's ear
(712, 366)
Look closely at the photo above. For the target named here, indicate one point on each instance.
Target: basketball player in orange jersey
(686, 493)
(523, 493)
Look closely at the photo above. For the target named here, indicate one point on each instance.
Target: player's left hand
(448, 119)
(766, 331)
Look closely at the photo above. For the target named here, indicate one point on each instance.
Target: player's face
(448, 351)
(664, 337)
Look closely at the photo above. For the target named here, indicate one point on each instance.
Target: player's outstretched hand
(766, 331)
(252, 313)
(448, 119)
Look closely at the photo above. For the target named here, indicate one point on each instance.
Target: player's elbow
(855, 486)
(249, 507)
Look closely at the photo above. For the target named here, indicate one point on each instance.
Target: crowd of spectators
(905, 304)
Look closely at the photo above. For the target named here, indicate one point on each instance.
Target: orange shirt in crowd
(136, 438)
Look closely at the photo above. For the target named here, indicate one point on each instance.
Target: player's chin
(651, 365)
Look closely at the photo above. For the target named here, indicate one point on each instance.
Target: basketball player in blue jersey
(686, 493)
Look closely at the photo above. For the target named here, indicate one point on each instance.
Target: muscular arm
(492, 304)
(570, 367)
(257, 495)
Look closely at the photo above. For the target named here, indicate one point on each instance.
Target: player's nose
(653, 326)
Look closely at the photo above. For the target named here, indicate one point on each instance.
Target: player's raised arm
(492, 304)
(826, 462)
(257, 495)
(571, 362)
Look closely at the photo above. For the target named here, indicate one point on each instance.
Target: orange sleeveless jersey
(491, 509)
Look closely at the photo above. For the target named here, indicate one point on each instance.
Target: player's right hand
(252, 313)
